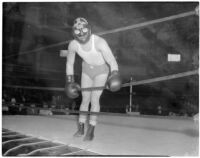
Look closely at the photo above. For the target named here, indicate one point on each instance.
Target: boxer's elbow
(113, 64)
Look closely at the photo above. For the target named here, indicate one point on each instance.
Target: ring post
(131, 91)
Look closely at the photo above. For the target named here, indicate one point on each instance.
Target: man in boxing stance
(98, 62)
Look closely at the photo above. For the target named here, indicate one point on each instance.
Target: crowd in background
(15, 101)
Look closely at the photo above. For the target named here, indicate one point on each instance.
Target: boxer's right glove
(71, 88)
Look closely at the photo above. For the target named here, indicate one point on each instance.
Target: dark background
(34, 33)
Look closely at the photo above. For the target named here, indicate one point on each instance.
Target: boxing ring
(114, 135)
(122, 135)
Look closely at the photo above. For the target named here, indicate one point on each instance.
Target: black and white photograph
(100, 78)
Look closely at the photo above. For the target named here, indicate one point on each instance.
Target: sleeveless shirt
(92, 57)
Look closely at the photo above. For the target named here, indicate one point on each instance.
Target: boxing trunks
(94, 70)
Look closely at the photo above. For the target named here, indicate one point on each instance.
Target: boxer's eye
(85, 30)
(77, 32)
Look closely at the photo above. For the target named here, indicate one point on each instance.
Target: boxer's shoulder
(99, 41)
(97, 38)
(73, 45)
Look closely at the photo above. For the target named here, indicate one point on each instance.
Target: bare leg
(99, 80)
(86, 95)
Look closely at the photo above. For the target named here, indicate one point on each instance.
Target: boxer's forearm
(70, 63)
(69, 69)
(113, 65)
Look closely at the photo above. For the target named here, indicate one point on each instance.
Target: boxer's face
(81, 30)
(82, 34)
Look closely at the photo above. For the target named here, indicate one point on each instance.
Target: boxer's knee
(85, 102)
(84, 107)
(95, 108)
(95, 105)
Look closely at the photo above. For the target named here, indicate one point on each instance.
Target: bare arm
(70, 58)
(107, 54)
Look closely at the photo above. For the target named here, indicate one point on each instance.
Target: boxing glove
(71, 88)
(114, 81)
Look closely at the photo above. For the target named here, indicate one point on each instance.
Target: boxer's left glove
(114, 81)
(71, 88)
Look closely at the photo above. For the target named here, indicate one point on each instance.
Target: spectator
(3, 101)
(22, 109)
(45, 110)
(23, 99)
(32, 110)
(5, 97)
(129, 108)
(4, 107)
(137, 108)
(73, 105)
(13, 101)
(159, 108)
(45, 105)
(172, 113)
(13, 109)
(54, 100)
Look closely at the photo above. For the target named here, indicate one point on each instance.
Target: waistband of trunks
(93, 66)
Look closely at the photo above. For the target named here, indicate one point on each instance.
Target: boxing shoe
(80, 131)
(90, 133)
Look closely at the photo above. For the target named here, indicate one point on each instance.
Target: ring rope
(133, 83)
(158, 79)
(177, 16)
(134, 26)
(22, 67)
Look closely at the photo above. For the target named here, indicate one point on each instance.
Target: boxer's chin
(84, 39)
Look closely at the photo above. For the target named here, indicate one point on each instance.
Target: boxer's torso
(89, 53)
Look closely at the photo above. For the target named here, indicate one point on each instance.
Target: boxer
(99, 68)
